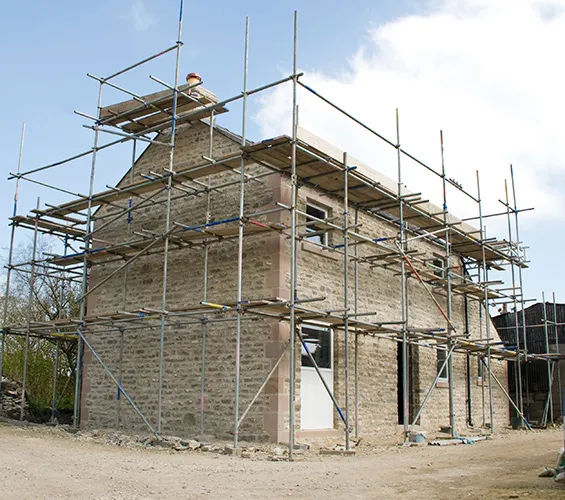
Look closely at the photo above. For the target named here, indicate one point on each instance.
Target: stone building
(201, 304)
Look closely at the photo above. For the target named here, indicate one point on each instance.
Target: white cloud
(487, 72)
(141, 18)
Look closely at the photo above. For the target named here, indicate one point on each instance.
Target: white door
(316, 405)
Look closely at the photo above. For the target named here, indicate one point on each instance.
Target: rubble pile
(557, 472)
(256, 452)
(10, 405)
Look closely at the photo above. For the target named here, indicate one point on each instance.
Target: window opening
(441, 357)
(319, 343)
(438, 267)
(317, 233)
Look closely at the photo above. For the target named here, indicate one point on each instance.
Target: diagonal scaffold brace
(118, 384)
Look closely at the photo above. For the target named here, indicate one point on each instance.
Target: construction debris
(338, 449)
(342, 453)
(459, 440)
(548, 472)
(418, 437)
(10, 406)
(557, 472)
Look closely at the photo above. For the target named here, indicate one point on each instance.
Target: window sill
(442, 384)
(310, 247)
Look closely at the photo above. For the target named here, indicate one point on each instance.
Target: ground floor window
(318, 341)
(441, 357)
(480, 367)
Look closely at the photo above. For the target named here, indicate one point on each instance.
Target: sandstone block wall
(321, 274)
(143, 282)
(133, 354)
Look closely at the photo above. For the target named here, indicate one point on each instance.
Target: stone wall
(134, 353)
(321, 274)
(143, 284)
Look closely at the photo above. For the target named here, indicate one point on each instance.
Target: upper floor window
(438, 267)
(316, 232)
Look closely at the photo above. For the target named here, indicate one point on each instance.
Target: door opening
(316, 405)
(413, 382)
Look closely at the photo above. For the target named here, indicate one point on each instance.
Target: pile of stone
(173, 443)
(178, 444)
(557, 472)
(10, 405)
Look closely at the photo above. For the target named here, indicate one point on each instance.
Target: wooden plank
(422, 217)
(153, 117)
(113, 195)
(192, 114)
(50, 226)
(182, 235)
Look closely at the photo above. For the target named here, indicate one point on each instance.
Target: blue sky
(480, 70)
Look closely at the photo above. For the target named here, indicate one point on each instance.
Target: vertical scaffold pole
(520, 278)
(480, 366)
(9, 267)
(482, 234)
(125, 292)
(58, 341)
(55, 378)
(293, 256)
(404, 305)
(346, 289)
(513, 257)
(84, 281)
(468, 363)
(549, 371)
(240, 241)
(168, 225)
(447, 271)
(205, 288)
(558, 360)
(29, 312)
(356, 306)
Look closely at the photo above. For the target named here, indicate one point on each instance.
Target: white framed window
(438, 267)
(480, 371)
(319, 341)
(316, 232)
(441, 353)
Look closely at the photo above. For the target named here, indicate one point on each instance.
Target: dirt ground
(52, 464)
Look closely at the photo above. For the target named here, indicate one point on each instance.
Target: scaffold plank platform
(181, 236)
(157, 109)
(321, 170)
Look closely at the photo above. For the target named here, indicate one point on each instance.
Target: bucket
(517, 422)
(417, 437)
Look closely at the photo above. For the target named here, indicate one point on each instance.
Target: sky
(488, 73)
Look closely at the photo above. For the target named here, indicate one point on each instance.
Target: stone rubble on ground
(262, 452)
(271, 452)
(10, 405)
(557, 472)
(548, 472)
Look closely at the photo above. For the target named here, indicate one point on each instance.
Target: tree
(45, 295)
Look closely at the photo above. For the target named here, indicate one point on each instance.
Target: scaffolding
(543, 324)
(298, 157)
